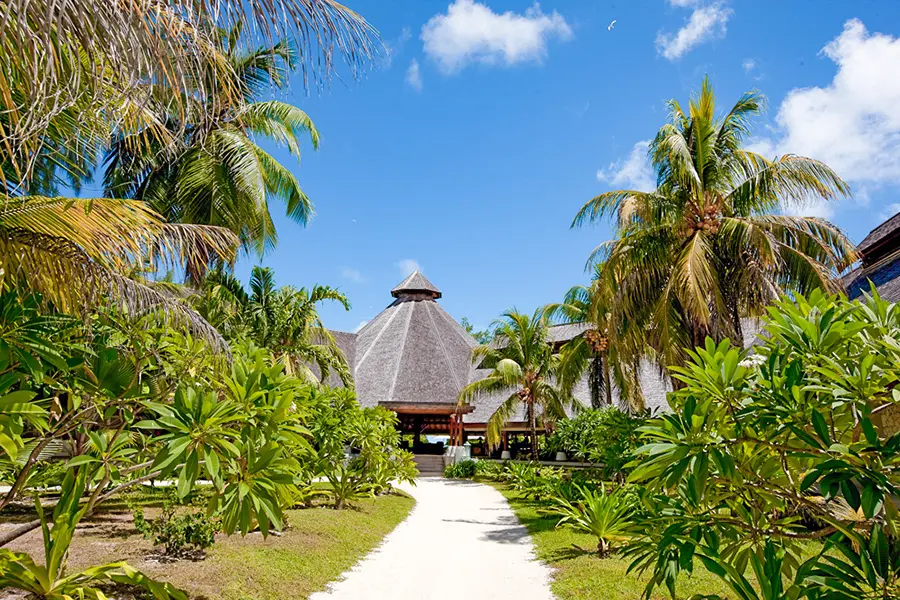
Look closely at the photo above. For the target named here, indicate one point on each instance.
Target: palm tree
(708, 245)
(524, 369)
(284, 320)
(604, 350)
(216, 173)
(90, 77)
(80, 252)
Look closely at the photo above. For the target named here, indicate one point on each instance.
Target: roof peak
(416, 284)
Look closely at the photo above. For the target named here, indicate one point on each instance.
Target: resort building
(880, 264)
(414, 358)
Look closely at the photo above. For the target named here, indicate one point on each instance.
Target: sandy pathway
(461, 539)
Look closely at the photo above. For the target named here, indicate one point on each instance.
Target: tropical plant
(213, 172)
(79, 252)
(608, 436)
(246, 442)
(607, 516)
(49, 580)
(284, 320)
(482, 337)
(179, 534)
(855, 564)
(464, 469)
(609, 351)
(756, 450)
(709, 245)
(523, 370)
(92, 78)
(338, 426)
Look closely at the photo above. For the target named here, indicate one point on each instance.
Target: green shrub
(464, 469)
(489, 469)
(607, 516)
(178, 534)
(606, 435)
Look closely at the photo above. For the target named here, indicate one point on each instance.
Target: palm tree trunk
(606, 379)
(596, 381)
(532, 424)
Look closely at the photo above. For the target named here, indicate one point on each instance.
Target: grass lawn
(580, 575)
(319, 545)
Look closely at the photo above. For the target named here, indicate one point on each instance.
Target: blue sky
(469, 150)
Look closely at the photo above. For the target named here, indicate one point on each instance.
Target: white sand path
(461, 539)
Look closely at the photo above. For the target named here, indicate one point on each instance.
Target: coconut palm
(708, 245)
(605, 350)
(523, 369)
(284, 320)
(216, 173)
(96, 58)
(79, 252)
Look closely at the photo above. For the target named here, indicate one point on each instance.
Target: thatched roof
(879, 234)
(884, 274)
(880, 264)
(413, 352)
(416, 283)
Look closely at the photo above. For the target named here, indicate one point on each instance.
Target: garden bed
(577, 572)
(319, 545)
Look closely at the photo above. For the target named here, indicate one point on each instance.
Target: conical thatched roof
(416, 283)
(413, 352)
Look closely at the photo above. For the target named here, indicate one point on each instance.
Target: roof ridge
(390, 394)
(377, 337)
(437, 334)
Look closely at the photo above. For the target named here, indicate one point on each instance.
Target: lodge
(414, 358)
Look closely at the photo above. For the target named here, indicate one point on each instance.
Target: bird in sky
(611, 25)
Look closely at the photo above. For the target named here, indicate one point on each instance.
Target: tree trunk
(605, 361)
(595, 380)
(532, 424)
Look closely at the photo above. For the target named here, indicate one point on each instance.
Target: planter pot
(505, 455)
(560, 456)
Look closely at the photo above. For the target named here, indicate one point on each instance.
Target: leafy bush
(489, 469)
(607, 516)
(532, 480)
(606, 435)
(338, 422)
(464, 469)
(750, 440)
(178, 534)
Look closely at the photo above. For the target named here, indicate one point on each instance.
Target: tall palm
(604, 350)
(82, 66)
(216, 173)
(524, 368)
(79, 252)
(286, 321)
(708, 245)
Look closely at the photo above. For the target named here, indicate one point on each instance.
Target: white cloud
(890, 210)
(413, 76)
(472, 32)
(749, 65)
(352, 274)
(853, 123)
(360, 326)
(632, 173)
(705, 23)
(407, 266)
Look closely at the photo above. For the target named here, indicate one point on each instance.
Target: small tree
(524, 369)
(757, 448)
